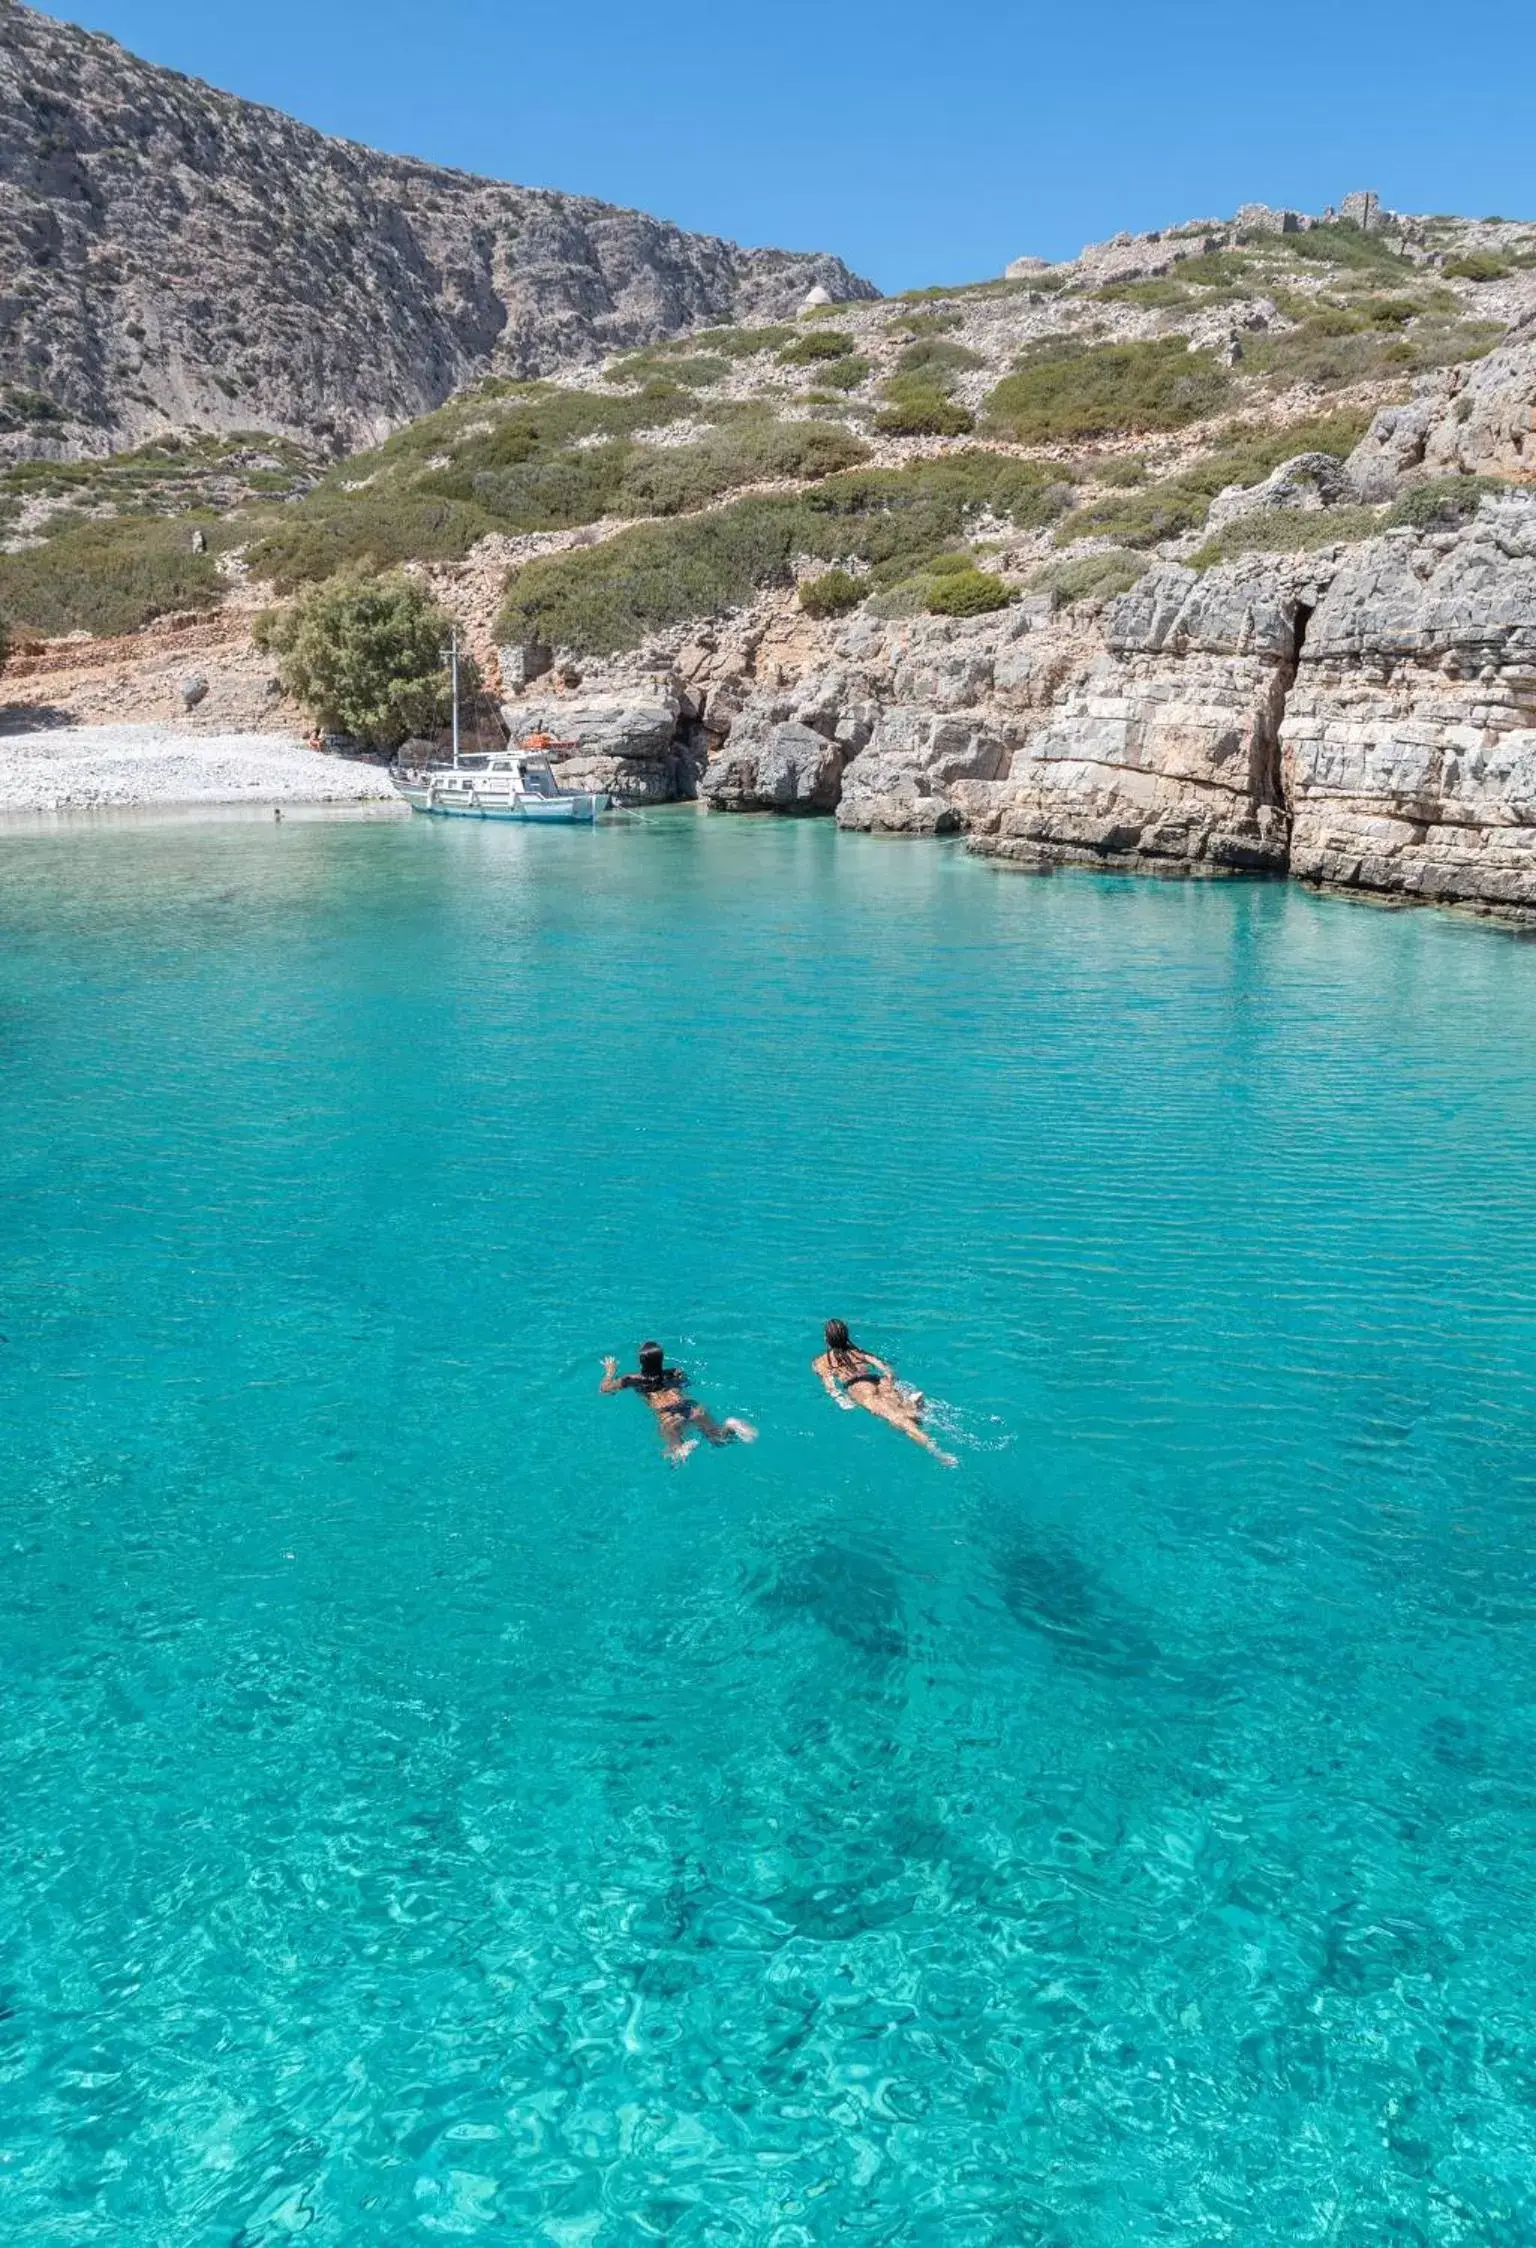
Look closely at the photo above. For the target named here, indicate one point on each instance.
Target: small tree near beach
(366, 656)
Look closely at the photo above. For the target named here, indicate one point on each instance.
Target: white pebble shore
(81, 768)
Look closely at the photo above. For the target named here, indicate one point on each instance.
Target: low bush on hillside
(21, 408)
(1090, 577)
(1345, 244)
(915, 412)
(917, 325)
(1445, 504)
(1288, 530)
(365, 657)
(362, 531)
(934, 361)
(966, 592)
(815, 346)
(672, 480)
(843, 374)
(1477, 265)
(730, 343)
(603, 598)
(107, 578)
(698, 372)
(1246, 455)
(1066, 393)
(1338, 345)
(528, 469)
(832, 594)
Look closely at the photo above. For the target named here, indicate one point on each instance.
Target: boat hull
(577, 810)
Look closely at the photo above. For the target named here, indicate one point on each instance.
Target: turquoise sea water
(427, 1816)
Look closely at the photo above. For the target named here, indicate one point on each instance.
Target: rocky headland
(1209, 551)
(172, 257)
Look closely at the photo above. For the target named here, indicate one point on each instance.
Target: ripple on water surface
(427, 1815)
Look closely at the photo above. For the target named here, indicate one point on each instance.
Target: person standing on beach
(664, 1389)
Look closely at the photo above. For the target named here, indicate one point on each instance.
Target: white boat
(512, 784)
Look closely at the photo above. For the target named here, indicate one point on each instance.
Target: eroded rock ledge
(1364, 718)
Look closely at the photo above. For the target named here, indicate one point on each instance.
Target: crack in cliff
(1273, 779)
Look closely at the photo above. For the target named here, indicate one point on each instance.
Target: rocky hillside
(171, 257)
(1208, 551)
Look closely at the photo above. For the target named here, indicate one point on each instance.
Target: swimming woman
(856, 1377)
(681, 1421)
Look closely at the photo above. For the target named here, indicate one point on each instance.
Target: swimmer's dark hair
(653, 1358)
(838, 1337)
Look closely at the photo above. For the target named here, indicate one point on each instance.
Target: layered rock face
(1364, 719)
(169, 254)
(1165, 750)
(1478, 420)
(1409, 740)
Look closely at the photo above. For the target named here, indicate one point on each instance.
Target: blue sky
(924, 142)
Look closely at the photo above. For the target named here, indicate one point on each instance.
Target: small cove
(428, 1816)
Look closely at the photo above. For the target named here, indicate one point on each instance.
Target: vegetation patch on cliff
(1090, 578)
(108, 578)
(1288, 530)
(599, 599)
(547, 460)
(1148, 514)
(1063, 393)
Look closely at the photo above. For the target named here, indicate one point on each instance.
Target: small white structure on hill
(815, 297)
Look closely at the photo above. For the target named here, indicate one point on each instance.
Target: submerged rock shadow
(850, 1594)
(1048, 1590)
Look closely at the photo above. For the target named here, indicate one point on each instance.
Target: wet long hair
(655, 1373)
(839, 1342)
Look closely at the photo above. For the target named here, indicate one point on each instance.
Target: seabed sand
(155, 770)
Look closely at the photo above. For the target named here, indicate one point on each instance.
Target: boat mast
(452, 654)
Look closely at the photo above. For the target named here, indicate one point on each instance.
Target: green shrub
(110, 577)
(1343, 243)
(843, 374)
(917, 325)
(1288, 530)
(1090, 577)
(816, 346)
(1337, 346)
(907, 598)
(731, 343)
(1068, 393)
(934, 361)
(967, 593)
(602, 598)
(1122, 473)
(672, 480)
(1246, 455)
(1445, 504)
(697, 373)
(1477, 265)
(363, 530)
(21, 408)
(830, 595)
(923, 413)
(945, 565)
(365, 656)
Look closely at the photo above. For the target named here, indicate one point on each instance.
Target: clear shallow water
(426, 1816)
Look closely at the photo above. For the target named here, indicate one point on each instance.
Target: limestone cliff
(173, 256)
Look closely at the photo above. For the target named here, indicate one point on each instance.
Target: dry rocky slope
(171, 256)
(1210, 551)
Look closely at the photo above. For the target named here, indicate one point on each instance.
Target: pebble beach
(158, 768)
